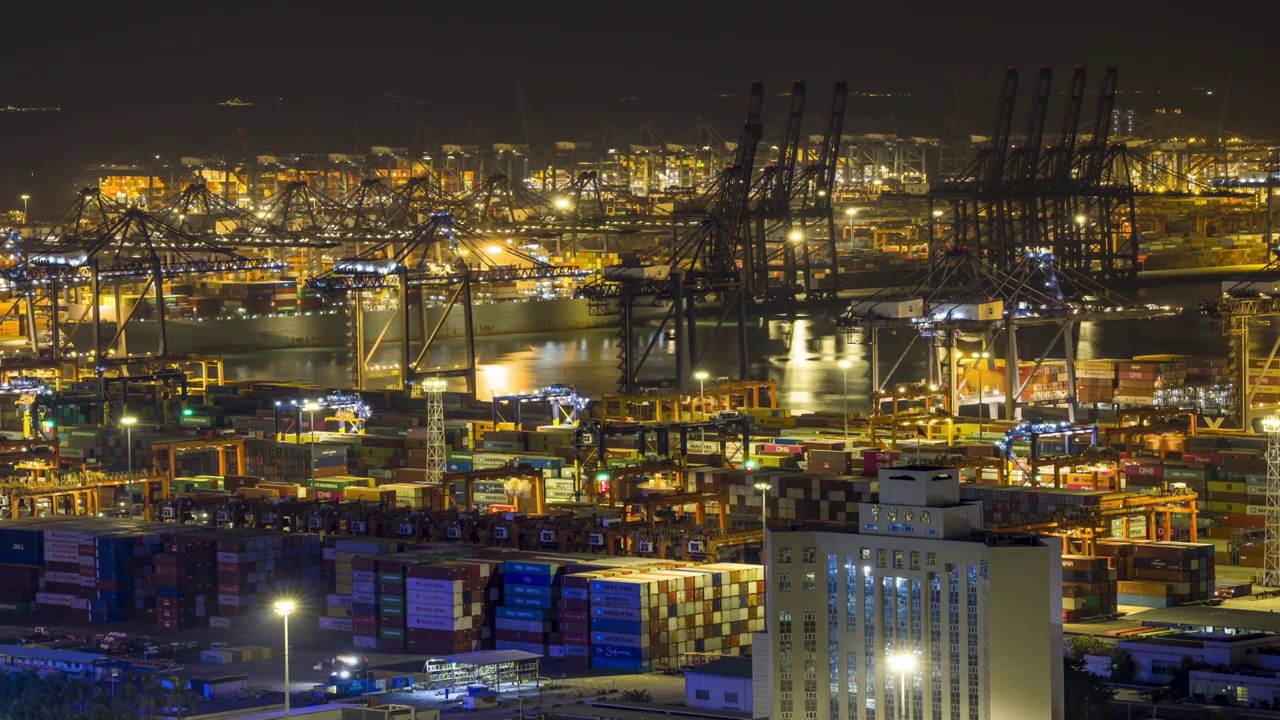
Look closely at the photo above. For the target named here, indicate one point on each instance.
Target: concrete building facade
(723, 685)
(914, 613)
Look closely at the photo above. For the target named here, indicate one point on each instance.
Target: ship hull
(330, 328)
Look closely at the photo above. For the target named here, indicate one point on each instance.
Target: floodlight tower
(1271, 567)
(433, 390)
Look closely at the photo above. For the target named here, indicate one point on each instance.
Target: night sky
(134, 79)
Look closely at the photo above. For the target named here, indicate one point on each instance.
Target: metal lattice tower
(1271, 567)
(433, 390)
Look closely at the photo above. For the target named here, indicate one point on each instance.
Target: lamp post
(275, 416)
(128, 423)
(701, 376)
(844, 369)
(902, 663)
(311, 409)
(25, 199)
(284, 608)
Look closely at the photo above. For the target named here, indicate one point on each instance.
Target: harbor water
(802, 354)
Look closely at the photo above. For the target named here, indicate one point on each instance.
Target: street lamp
(25, 199)
(128, 423)
(795, 236)
(1081, 220)
(902, 663)
(851, 211)
(311, 409)
(844, 369)
(284, 608)
(701, 376)
(763, 486)
(275, 416)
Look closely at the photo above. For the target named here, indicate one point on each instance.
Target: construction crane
(435, 256)
(131, 247)
(563, 403)
(1033, 432)
(1077, 200)
(964, 297)
(700, 268)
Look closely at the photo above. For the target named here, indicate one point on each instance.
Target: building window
(915, 560)
(702, 694)
(833, 634)
(972, 606)
(931, 558)
(882, 558)
(865, 553)
(851, 594)
(784, 556)
(810, 582)
(897, 560)
(731, 698)
(869, 640)
(1242, 695)
(809, 555)
(784, 582)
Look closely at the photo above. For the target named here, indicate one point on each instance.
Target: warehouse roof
(481, 658)
(735, 667)
(1218, 617)
(38, 653)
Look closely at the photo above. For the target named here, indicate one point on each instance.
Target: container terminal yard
(422, 535)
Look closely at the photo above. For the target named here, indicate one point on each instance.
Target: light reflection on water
(801, 356)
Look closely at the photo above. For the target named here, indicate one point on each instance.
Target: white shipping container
(340, 624)
(437, 611)
(431, 623)
(437, 586)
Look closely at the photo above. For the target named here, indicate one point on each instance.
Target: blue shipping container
(530, 579)
(531, 568)
(530, 590)
(617, 652)
(617, 626)
(21, 547)
(529, 601)
(508, 613)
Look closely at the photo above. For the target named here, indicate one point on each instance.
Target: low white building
(723, 684)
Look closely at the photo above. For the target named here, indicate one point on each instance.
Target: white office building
(914, 613)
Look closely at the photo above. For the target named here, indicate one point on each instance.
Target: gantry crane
(701, 268)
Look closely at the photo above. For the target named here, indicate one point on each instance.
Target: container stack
(1165, 574)
(1095, 381)
(1120, 553)
(1142, 382)
(445, 605)
(574, 631)
(364, 602)
(532, 584)
(1088, 587)
(250, 566)
(1005, 505)
(337, 565)
(184, 582)
(653, 618)
(793, 496)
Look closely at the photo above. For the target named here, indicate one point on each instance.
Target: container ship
(214, 317)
